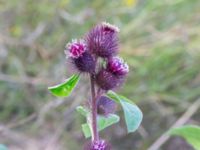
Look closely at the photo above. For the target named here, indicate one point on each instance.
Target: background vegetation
(159, 39)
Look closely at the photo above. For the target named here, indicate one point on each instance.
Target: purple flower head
(117, 66)
(106, 80)
(114, 74)
(98, 145)
(75, 49)
(102, 40)
(105, 106)
(79, 56)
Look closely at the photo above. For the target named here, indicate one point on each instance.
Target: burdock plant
(96, 56)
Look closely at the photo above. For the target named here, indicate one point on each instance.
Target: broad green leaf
(190, 133)
(133, 115)
(64, 89)
(83, 111)
(3, 147)
(103, 122)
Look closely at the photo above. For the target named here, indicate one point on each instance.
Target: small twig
(182, 120)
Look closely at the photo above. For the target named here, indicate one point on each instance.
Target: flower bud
(105, 106)
(97, 145)
(106, 80)
(85, 63)
(80, 57)
(102, 40)
(114, 74)
(117, 66)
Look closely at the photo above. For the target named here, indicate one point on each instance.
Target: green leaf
(83, 111)
(102, 122)
(86, 130)
(191, 133)
(64, 89)
(117, 98)
(133, 115)
(3, 147)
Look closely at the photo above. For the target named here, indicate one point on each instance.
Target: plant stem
(94, 110)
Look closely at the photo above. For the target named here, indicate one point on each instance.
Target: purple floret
(75, 49)
(117, 66)
(98, 145)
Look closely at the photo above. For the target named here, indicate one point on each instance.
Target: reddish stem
(94, 110)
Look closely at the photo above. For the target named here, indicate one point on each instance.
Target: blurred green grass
(159, 40)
